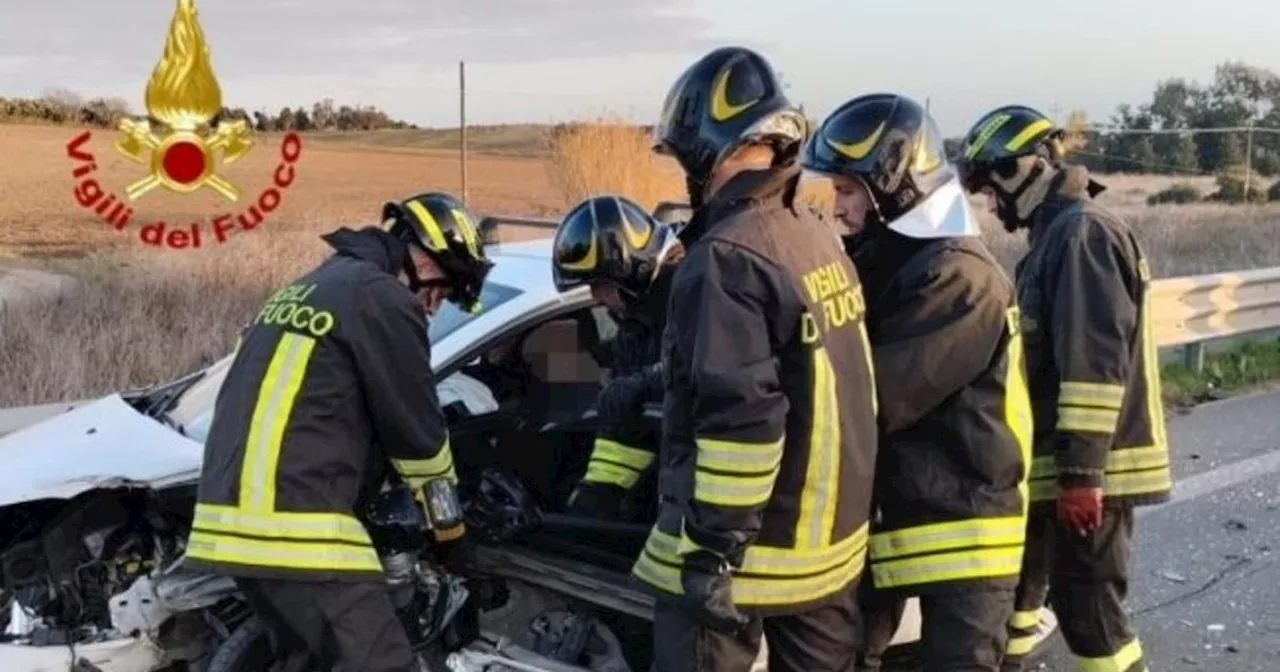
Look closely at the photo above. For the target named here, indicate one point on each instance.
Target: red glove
(1080, 508)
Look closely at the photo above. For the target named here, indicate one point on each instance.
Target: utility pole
(462, 125)
(1248, 159)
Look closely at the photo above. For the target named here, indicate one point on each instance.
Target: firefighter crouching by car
(611, 244)
(336, 363)
(955, 417)
(1100, 443)
(769, 432)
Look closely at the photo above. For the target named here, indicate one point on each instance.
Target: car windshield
(194, 409)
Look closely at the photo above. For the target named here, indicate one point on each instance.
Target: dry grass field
(144, 315)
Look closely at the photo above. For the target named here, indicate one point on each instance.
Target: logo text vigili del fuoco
(182, 148)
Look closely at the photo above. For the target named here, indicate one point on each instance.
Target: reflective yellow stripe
(733, 490)
(1025, 620)
(738, 456)
(291, 554)
(1151, 366)
(611, 474)
(1129, 471)
(984, 134)
(1137, 483)
(871, 366)
(609, 450)
(821, 478)
(614, 463)
(427, 224)
(769, 575)
(1017, 400)
(767, 559)
(1020, 645)
(1100, 395)
(960, 534)
(752, 469)
(416, 472)
(1120, 661)
(281, 525)
(276, 396)
(955, 566)
(1024, 136)
(1076, 419)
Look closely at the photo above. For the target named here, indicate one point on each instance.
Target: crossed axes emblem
(140, 143)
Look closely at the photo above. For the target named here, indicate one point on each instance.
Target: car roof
(525, 264)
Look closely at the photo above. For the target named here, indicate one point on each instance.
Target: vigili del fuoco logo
(182, 148)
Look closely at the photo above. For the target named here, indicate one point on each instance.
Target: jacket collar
(370, 244)
(749, 187)
(1070, 186)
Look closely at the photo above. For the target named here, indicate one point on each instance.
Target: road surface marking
(1209, 482)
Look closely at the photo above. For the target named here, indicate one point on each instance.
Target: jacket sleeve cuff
(1092, 478)
(1081, 461)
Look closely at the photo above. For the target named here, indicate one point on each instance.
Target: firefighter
(769, 431)
(612, 245)
(1100, 447)
(955, 418)
(335, 365)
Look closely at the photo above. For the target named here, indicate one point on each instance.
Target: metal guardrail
(1191, 309)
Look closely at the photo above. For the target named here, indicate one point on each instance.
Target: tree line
(61, 106)
(1239, 95)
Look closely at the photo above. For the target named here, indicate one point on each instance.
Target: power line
(1120, 130)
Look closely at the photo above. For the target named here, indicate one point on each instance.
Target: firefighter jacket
(955, 414)
(334, 365)
(769, 432)
(1084, 289)
(625, 447)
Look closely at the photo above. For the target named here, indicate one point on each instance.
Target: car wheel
(248, 649)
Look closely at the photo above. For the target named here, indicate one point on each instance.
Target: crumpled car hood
(103, 443)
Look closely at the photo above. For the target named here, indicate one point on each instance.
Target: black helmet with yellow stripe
(888, 142)
(726, 98)
(442, 225)
(612, 239)
(992, 152)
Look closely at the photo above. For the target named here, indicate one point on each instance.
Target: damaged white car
(95, 503)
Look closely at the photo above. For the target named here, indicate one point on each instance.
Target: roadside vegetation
(1242, 368)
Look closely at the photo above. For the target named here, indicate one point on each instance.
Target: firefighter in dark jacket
(769, 432)
(955, 416)
(330, 390)
(1100, 442)
(611, 244)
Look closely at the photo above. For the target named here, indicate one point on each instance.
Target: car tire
(247, 649)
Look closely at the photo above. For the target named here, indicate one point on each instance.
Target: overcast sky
(547, 60)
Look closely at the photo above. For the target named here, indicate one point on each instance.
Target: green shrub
(1180, 192)
(1231, 186)
(1273, 194)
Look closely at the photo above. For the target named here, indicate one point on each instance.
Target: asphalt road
(1205, 582)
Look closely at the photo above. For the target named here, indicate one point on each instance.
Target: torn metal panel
(103, 443)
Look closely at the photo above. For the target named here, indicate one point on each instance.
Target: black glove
(622, 401)
(597, 500)
(708, 592)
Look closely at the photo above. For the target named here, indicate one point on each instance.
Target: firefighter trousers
(1085, 580)
(819, 640)
(962, 629)
(331, 625)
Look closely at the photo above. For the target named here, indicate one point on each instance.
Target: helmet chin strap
(1018, 197)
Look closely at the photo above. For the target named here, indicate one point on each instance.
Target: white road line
(1209, 482)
